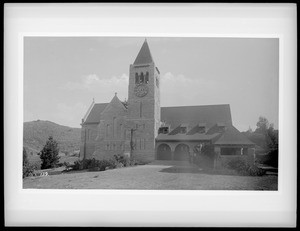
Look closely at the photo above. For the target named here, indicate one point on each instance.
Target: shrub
(118, 161)
(123, 160)
(255, 171)
(94, 164)
(244, 168)
(28, 169)
(67, 165)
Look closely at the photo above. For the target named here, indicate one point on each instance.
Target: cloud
(69, 115)
(93, 82)
(178, 89)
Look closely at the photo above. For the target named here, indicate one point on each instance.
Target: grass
(153, 177)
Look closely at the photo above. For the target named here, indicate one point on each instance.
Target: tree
(49, 154)
(262, 125)
(270, 139)
(27, 167)
(25, 158)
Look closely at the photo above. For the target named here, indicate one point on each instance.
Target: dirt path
(151, 177)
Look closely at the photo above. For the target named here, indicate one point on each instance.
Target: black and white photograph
(150, 114)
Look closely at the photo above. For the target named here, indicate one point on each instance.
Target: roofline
(88, 111)
(208, 105)
(182, 140)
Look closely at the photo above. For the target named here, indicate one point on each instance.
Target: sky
(62, 75)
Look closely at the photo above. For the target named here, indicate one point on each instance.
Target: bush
(245, 169)
(94, 164)
(118, 161)
(28, 169)
(255, 171)
(123, 160)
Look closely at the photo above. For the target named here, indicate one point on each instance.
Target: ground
(152, 176)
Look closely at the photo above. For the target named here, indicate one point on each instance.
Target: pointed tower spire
(144, 56)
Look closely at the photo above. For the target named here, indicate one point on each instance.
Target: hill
(36, 133)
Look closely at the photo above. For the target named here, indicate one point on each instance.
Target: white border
(149, 207)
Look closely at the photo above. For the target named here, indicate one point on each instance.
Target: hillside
(37, 132)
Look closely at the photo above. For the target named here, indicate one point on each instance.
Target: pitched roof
(174, 116)
(193, 115)
(115, 102)
(94, 115)
(144, 56)
(232, 136)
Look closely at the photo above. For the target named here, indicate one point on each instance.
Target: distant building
(143, 129)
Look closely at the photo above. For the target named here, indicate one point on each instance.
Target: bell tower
(143, 104)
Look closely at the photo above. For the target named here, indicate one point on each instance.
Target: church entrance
(164, 152)
(181, 152)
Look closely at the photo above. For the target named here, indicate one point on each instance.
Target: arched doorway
(181, 152)
(164, 152)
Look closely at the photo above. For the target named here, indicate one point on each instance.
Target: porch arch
(164, 152)
(182, 152)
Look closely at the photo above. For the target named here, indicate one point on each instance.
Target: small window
(147, 77)
(157, 82)
(136, 78)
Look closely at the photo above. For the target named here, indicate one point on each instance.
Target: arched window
(142, 78)
(136, 78)
(147, 77)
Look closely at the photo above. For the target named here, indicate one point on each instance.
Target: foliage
(28, 168)
(204, 156)
(118, 161)
(262, 125)
(101, 165)
(266, 137)
(244, 168)
(36, 134)
(25, 157)
(124, 160)
(49, 154)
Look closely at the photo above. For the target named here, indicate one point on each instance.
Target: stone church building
(141, 128)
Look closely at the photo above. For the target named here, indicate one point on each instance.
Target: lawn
(152, 176)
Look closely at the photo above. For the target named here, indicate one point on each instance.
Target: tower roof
(144, 56)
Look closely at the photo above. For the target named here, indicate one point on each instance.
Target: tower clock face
(141, 90)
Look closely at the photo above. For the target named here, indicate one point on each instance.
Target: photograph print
(156, 113)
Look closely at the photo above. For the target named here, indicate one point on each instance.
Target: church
(142, 129)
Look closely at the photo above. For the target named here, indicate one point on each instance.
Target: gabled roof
(115, 102)
(232, 136)
(193, 115)
(174, 116)
(144, 56)
(94, 115)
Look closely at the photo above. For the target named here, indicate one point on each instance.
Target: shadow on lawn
(177, 169)
(196, 170)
